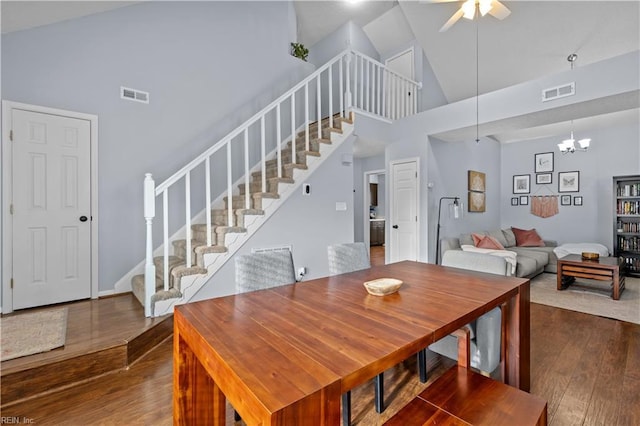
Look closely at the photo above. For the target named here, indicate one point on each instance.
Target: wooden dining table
(285, 355)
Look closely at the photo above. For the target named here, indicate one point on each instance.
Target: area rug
(544, 291)
(33, 332)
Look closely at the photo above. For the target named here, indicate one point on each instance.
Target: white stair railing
(376, 90)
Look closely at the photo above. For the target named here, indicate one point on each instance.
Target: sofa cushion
(510, 237)
(527, 238)
(526, 266)
(466, 239)
(486, 241)
(541, 257)
(498, 235)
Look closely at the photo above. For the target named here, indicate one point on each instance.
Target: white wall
(307, 223)
(207, 65)
(614, 151)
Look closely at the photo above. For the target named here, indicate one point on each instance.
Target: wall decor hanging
(524, 200)
(569, 181)
(521, 184)
(477, 186)
(544, 205)
(565, 200)
(544, 162)
(577, 201)
(544, 178)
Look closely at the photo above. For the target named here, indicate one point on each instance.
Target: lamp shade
(584, 143)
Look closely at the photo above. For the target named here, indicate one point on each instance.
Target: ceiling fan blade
(499, 10)
(456, 16)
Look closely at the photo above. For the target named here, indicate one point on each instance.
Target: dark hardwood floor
(376, 255)
(586, 367)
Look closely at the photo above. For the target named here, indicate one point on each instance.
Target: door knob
(395, 226)
(83, 218)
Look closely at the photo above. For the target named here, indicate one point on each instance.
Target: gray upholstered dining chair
(258, 271)
(486, 331)
(345, 258)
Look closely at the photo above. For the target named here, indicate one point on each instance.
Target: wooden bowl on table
(382, 286)
(590, 256)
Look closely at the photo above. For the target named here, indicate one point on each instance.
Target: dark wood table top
(603, 261)
(289, 342)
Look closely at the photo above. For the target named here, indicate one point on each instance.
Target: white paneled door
(404, 211)
(51, 198)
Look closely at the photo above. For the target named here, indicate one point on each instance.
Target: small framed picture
(577, 201)
(514, 201)
(569, 181)
(565, 200)
(544, 162)
(524, 200)
(521, 184)
(544, 178)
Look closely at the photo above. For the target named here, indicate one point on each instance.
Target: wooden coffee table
(604, 269)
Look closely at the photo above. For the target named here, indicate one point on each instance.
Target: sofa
(530, 260)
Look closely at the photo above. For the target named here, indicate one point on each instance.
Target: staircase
(279, 165)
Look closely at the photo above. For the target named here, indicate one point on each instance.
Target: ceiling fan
(469, 7)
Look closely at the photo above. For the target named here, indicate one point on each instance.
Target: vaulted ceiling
(532, 42)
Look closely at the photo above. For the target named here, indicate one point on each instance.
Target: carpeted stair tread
(272, 185)
(137, 287)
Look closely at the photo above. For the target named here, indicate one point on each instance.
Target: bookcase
(626, 231)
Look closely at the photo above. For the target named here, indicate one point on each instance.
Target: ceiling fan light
(485, 6)
(562, 147)
(584, 143)
(469, 9)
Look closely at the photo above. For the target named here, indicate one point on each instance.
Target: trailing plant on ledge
(299, 51)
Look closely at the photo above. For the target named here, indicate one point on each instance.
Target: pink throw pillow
(527, 238)
(485, 241)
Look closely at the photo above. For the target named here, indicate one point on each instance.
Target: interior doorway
(375, 211)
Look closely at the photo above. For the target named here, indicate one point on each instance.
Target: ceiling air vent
(134, 95)
(557, 92)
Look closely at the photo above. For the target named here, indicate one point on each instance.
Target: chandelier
(568, 145)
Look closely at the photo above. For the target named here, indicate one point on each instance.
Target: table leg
(518, 353)
(196, 398)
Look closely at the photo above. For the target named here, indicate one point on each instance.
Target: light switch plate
(341, 206)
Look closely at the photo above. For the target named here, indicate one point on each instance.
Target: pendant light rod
(477, 83)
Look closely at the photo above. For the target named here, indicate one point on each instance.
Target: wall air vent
(557, 92)
(263, 250)
(134, 95)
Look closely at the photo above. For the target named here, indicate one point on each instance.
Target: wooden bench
(463, 397)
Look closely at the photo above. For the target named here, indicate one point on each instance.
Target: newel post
(347, 94)
(149, 267)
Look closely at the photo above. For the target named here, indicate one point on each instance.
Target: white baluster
(230, 221)
(367, 88)
(187, 213)
(306, 115)
(355, 81)
(362, 89)
(207, 184)
(263, 157)
(165, 238)
(293, 127)
(384, 90)
(319, 108)
(247, 181)
(347, 95)
(330, 84)
(149, 267)
(279, 141)
(341, 88)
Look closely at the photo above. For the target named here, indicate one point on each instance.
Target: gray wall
(207, 65)
(614, 151)
(449, 164)
(307, 223)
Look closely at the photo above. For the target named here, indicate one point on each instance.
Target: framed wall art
(569, 181)
(514, 201)
(544, 178)
(577, 201)
(524, 200)
(476, 202)
(477, 181)
(544, 162)
(521, 184)
(565, 200)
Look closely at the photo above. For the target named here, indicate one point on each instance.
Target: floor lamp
(456, 215)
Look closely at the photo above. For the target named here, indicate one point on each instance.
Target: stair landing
(103, 335)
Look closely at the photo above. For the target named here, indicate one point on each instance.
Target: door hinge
(11, 283)
(11, 135)
(11, 208)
